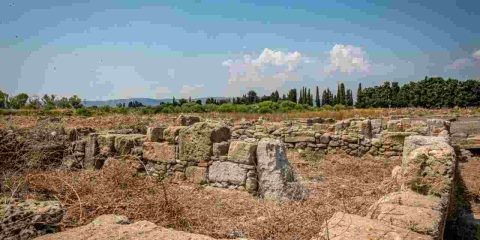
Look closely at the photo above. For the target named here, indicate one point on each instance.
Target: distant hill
(144, 101)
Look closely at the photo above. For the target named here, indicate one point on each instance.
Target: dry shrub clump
(21, 150)
(348, 184)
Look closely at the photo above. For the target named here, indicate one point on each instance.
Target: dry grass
(110, 121)
(469, 174)
(348, 184)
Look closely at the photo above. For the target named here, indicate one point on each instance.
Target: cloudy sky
(116, 49)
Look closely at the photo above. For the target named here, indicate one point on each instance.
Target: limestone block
(243, 152)
(227, 172)
(196, 141)
(158, 152)
(155, 134)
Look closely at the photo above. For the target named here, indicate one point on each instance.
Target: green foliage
(84, 112)
(428, 93)
(19, 101)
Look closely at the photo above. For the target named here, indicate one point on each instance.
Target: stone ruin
(419, 210)
(251, 156)
(201, 152)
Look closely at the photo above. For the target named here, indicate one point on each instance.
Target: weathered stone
(228, 172)
(334, 143)
(437, 126)
(410, 210)
(274, 172)
(29, 219)
(158, 152)
(428, 165)
(242, 151)
(171, 132)
(344, 226)
(155, 134)
(195, 142)
(196, 174)
(186, 120)
(394, 126)
(251, 183)
(298, 139)
(91, 151)
(106, 144)
(124, 143)
(325, 138)
(220, 149)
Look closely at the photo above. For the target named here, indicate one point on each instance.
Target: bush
(83, 112)
(287, 106)
(227, 107)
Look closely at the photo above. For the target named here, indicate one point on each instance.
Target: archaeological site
(195, 177)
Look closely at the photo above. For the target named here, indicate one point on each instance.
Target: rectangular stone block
(170, 133)
(196, 174)
(155, 134)
(196, 141)
(242, 152)
(228, 172)
(124, 143)
(158, 152)
(106, 143)
(298, 139)
(220, 149)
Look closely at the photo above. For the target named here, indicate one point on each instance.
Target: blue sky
(117, 49)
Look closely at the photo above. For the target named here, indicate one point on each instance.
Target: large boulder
(120, 227)
(275, 175)
(29, 219)
(243, 151)
(196, 141)
(227, 172)
(428, 165)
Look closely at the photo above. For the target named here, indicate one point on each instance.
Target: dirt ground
(335, 183)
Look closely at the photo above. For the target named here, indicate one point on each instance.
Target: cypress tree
(317, 98)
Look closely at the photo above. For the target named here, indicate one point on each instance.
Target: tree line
(23, 101)
(433, 92)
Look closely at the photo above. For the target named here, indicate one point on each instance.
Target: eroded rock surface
(119, 227)
(29, 219)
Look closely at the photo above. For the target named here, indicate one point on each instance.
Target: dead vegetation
(347, 184)
(112, 121)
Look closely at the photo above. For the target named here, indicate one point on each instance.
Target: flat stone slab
(119, 227)
(344, 226)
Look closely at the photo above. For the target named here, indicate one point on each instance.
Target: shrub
(83, 112)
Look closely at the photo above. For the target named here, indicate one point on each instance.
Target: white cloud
(191, 90)
(347, 59)
(476, 55)
(460, 63)
(269, 71)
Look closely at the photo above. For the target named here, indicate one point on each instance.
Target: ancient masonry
(197, 152)
(251, 156)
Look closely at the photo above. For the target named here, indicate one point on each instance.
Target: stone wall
(352, 136)
(420, 209)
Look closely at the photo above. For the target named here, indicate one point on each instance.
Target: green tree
(75, 102)
(19, 101)
(3, 100)
(292, 95)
